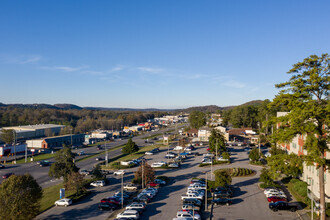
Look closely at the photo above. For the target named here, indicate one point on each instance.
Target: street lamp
(312, 201)
(14, 134)
(259, 138)
(206, 192)
(122, 190)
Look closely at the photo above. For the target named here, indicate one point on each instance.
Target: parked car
(153, 184)
(143, 198)
(139, 206)
(119, 172)
(63, 202)
(98, 183)
(158, 164)
(7, 175)
(276, 199)
(130, 187)
(173, 165)
(188, 214)
(190, 207)
(170, 155)
(2, 166)
(278, 194)
(222, 201)
(206, 161)
(107, 206)
(280, 205)
(192, 201)
(178, 148)
(129, 214)
(160, 182)
(84, 172)
(111, 200)
(271, 189)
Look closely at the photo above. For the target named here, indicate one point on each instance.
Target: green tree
(20, 197)
(7, 135)
(197, 119)
(225, 155)
(217, 141)
(64, 164)
(96, 172)
(75, 182)
(130, 147)
(254, 155)
(306, 95)
(222, 178)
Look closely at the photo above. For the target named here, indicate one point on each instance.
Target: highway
(41, 173)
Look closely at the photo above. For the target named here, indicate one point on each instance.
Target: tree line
(81, 120)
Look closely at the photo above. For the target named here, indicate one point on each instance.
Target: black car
(280, 205)
(222, 194)
(44, 163)
(107, 206)
(99, 147)
(222, 201)
(2, 166)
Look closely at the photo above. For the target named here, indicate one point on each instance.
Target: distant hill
(68, 106)
(130, 109)
(207, 108)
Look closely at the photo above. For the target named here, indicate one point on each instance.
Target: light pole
(206, 192)
(142, 174)
(71, 137)
(106, 154)
(312, 213)
(122, 190)
(259, 139)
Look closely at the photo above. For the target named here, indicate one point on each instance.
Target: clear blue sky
(163, 54)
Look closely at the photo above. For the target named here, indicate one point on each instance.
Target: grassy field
(140, 153)
(52, 194)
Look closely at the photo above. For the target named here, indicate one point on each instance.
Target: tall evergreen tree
(130, 147)
(306, 95)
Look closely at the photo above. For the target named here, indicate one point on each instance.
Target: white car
(268, 154)
(271, 190)
(173, 165)
(63, 202)
(98, 183)
(279, 194)
(222, 159)
(158, 164)
(119, 172)
(148, 153)
(188, 214)
(178, 148)
(140, 206)
(129, 214)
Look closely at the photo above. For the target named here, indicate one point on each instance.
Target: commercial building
(310, 174)
(35, 131)
(56, 142)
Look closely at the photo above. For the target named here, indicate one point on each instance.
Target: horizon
(155, 54)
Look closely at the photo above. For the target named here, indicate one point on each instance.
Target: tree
(148, 174)
(217, 141)
(64, 164)
(130, 147)
(7, 135)
(197, 119)
(306, 95)
(254, 155)
(225, 155)
(288, 164)
(222, 178)
(75, 182)
(20, 197)
(96, 172)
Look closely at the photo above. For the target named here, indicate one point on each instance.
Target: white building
(310, 173)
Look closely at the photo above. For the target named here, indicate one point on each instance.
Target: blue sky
(162, 54)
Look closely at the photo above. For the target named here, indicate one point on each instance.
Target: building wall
(310, 173)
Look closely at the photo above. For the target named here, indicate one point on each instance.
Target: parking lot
(249, 202)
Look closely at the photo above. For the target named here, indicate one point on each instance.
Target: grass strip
(36, 158)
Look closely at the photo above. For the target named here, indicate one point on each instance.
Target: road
(41, 173)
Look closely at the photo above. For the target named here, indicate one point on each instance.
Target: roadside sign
(62, 193)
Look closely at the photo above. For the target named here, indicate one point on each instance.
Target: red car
(110, 200)
(7, 175)
(275, 199)
(208, 149)
(153, 184)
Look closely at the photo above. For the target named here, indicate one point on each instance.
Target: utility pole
(216, 149)
(25, 153)
(259, 138)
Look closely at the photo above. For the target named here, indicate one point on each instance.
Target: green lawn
(52, 194)
(36, 158)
